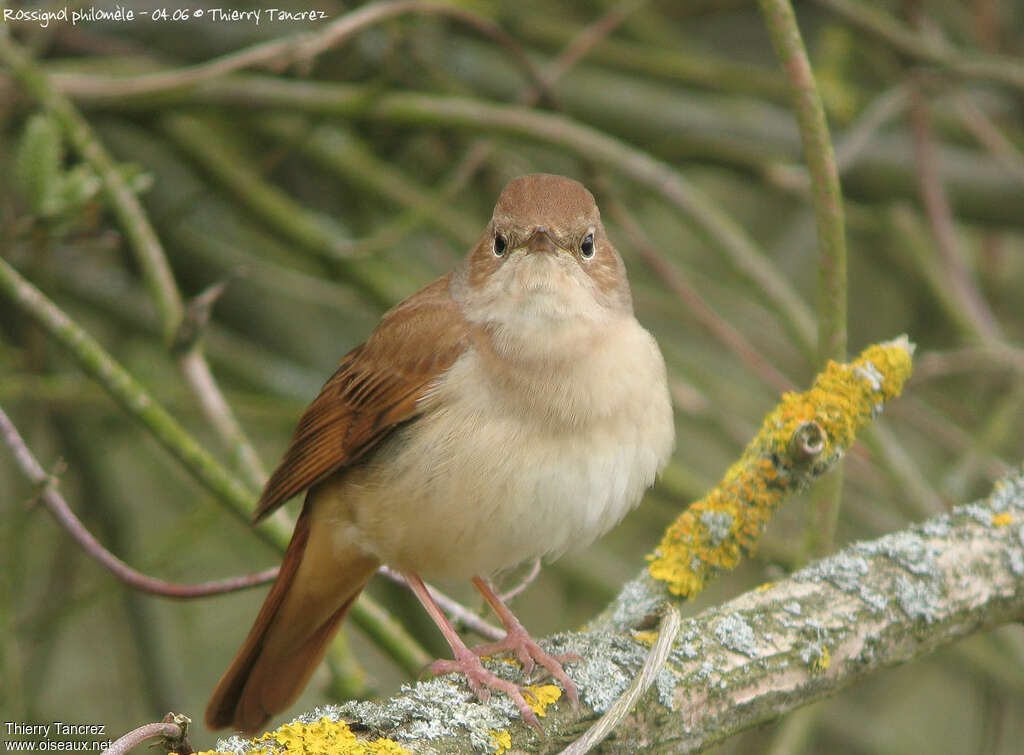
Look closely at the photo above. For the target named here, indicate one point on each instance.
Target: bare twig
(990, 137)
(300, 49)
(973, 65)
(140, 405)
(828, 210)
(969, 359)
(58, 507)
(173, 730)
(940, 216)
(147, 249)
(134, 398)
(525, 582)
(588, 38)
(478, 152)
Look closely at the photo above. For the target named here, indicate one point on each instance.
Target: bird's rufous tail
(311, 596)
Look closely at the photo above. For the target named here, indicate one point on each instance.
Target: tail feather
(307, 603)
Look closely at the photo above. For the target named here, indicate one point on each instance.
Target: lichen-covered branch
(772, 650)
(799, 441)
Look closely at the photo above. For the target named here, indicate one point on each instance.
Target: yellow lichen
(647, 638)
(1002, 520)
(822, 662)
(325, 737)
(715, 532)
(542, 696)
(502, 741)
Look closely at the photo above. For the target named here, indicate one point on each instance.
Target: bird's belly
(491, 495)
(471, 487)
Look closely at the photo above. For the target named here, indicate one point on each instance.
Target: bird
(512, 409)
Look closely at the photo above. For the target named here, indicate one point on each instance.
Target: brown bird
(510, 410)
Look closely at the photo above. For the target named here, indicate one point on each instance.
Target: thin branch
(990, 137)
(339, 152)
(940, 216)
(525, 582)
(148, 252)
(450, 606)
(301, 49)
(587, 39)
(134, 399)
(969, 359)
(971, 65)
(828, 210)
(137, 403)
(747, 258)
(687, 65)
(173, 730)
(58, 507)
(826, 193)
(855, 139)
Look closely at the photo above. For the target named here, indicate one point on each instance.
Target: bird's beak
(542, 241)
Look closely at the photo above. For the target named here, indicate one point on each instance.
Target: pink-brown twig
(173, 730)
(58, 507)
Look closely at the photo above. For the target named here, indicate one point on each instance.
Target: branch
(747, 258)
(970, 65)
(303, 48)
(967, 298)
(66, 518)
(133, 398)
(828, 210)
(172, 731)
(148, 251)
(772, 650)
(799, 441)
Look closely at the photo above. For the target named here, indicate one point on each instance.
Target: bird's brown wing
(376, 387)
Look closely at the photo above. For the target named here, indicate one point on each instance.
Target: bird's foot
(519, 641)
(482, 681)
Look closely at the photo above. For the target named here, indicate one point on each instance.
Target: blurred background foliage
(324, 190)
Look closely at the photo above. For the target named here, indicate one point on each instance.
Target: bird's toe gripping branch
(798, 441)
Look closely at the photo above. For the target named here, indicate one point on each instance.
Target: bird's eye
(500, 245)
(587, 247)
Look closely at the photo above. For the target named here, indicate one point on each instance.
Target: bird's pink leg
(519, 641)
(466, 661)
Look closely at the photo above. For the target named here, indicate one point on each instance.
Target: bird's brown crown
(545, 199)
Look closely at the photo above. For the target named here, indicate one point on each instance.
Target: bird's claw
(519, 641)
(482, 681)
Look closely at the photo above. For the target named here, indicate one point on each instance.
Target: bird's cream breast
(504, 465)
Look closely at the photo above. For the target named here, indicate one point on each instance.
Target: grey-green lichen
(638, 600)
(609, 663)
(736, 634)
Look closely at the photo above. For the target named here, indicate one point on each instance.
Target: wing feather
(376, 387)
